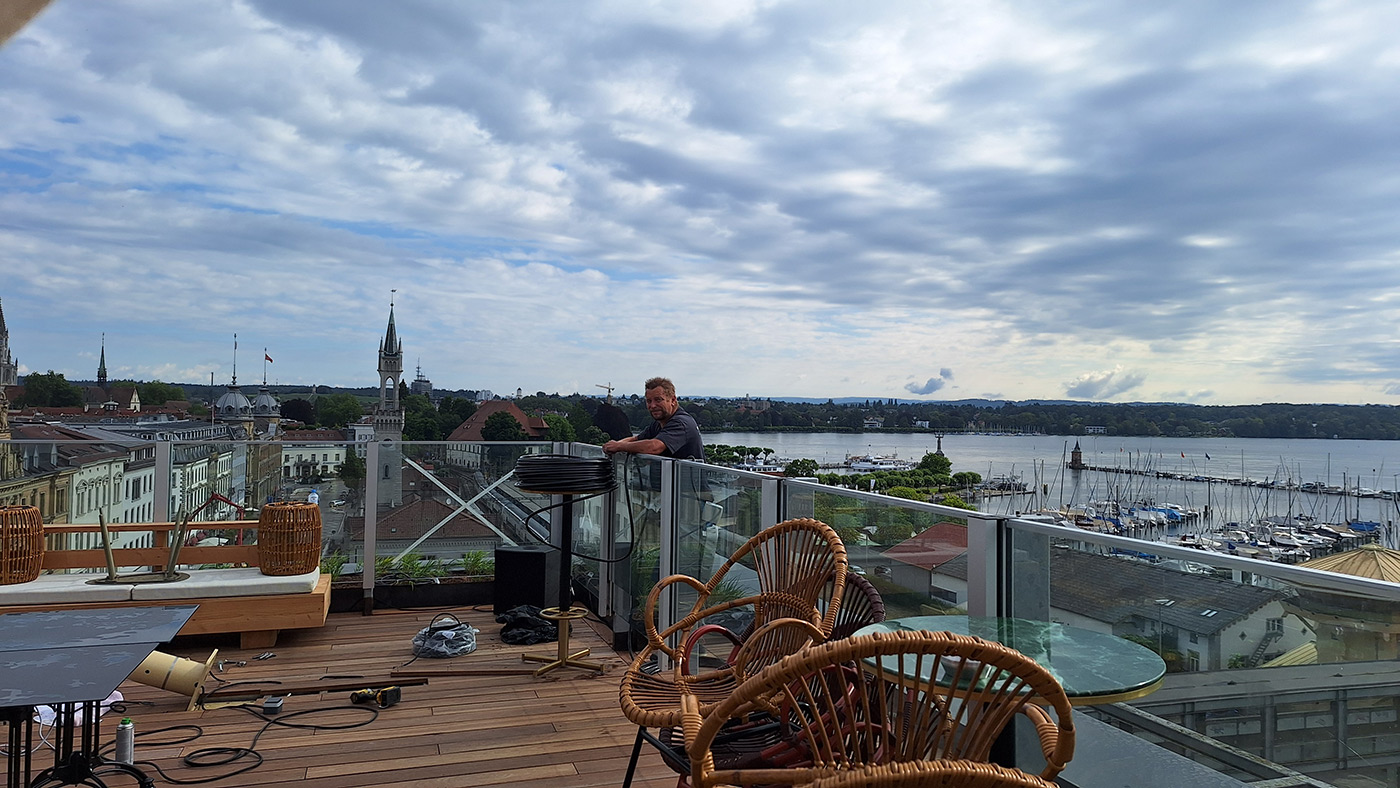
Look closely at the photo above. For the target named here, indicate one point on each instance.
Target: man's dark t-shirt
(681, 436)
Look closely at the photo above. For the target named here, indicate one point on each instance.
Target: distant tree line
(1272, 420)
(571, 416)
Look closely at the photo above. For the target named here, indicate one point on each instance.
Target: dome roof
(233, 403)
(265, 404)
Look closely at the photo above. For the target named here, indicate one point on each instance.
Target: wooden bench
(238, 599)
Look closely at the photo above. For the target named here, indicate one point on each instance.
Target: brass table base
(563, 658)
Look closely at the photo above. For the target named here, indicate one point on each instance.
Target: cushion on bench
(46, 589)
(75, 588)
(245, 581)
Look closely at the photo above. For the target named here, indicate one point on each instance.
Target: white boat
(867, 463)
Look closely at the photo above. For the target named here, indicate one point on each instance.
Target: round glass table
(1093, 667)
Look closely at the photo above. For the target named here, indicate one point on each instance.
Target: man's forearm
(635, 446)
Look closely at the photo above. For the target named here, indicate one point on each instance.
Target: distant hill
(976, 403)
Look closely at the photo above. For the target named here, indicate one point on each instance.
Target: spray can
(126, 741)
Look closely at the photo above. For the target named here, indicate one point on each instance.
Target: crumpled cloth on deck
(524, 626)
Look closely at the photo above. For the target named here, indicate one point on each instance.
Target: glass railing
(1290, 664)
(1285, 663)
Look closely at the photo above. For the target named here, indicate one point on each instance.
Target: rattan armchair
(800, 567)
(861, 605)
(932, 774)
(884, 698)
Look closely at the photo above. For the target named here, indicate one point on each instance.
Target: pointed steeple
(390, 364)
(102, 365)
(388, 417)
(9, 368)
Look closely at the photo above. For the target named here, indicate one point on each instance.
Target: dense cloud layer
(1090, 200)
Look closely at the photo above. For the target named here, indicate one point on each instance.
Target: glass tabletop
(1093, 667)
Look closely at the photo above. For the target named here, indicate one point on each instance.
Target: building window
(1193, 660)
(1275, 625)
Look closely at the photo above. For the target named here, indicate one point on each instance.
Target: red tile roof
(413, 519)
(939, 543)
(470, 430)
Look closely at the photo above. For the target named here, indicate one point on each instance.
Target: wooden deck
(564, 729)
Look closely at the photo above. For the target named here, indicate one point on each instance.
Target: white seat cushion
(51, 589)
(245, 581)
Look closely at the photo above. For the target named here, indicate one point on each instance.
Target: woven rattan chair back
(885, 698)
(800, 567)
(861, 606)
(792, 562)
(932, 774)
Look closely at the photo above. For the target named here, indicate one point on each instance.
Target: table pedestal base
(564, 658)
(80, 769)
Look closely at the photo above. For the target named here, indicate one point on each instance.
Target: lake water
(1040, 462)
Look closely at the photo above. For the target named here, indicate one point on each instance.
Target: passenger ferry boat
(868, 463)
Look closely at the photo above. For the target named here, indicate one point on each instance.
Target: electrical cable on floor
(223, 756)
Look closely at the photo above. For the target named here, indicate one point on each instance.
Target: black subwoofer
(526, 575)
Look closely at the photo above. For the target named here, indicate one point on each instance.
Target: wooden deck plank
(564, 730)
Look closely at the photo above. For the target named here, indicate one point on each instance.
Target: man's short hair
(664, 384)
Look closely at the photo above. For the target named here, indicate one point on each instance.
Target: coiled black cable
(561, 474)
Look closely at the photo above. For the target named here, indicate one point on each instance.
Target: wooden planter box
(347, 595)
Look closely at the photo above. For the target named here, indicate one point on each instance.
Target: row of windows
(325, 457)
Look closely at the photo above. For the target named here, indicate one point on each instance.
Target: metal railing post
(163, 469)
(984, 563)
(768, 501)
(371, 524)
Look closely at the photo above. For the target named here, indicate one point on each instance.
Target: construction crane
(609, 387)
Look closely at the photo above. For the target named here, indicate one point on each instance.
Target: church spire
(9, 368)
(390, 364)
(102, 365)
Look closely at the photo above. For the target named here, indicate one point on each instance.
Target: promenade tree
(802, 467)
(936, 463)
(352, 470)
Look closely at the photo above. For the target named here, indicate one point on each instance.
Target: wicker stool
(289, 538)
(21, 544)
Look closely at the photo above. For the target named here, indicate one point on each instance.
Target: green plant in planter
(408, 569)
(333, 564)
(478, 563)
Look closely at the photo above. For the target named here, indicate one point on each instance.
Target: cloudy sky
(924, 200)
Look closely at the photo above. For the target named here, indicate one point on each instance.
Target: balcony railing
(1267, 662)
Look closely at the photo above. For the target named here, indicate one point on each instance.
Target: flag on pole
(269, 358)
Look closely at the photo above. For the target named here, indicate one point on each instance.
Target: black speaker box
(526, 575)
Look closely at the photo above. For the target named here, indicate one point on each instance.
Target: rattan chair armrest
(655, 637)
(1052, 744)
(690, 726)
(693, 639)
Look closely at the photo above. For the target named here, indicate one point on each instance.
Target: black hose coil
(561, 474)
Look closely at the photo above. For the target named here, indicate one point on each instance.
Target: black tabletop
(69, 656)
